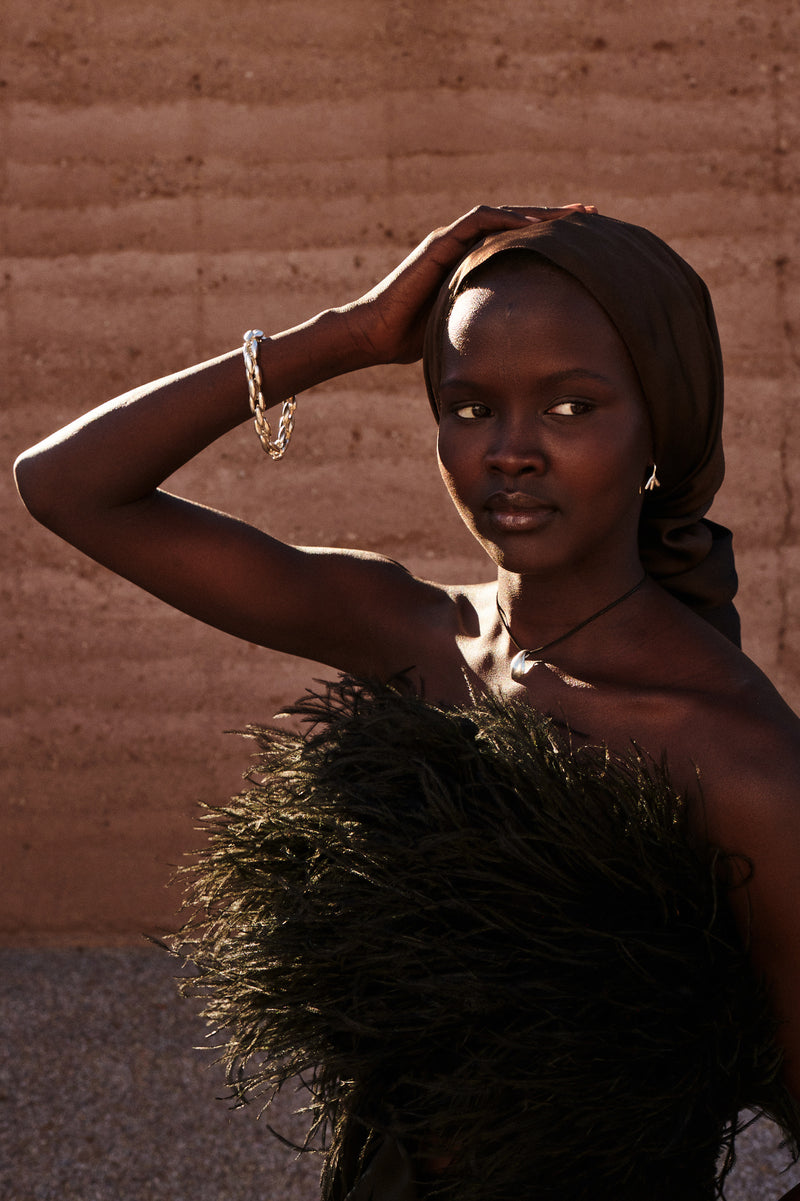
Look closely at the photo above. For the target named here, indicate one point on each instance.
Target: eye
(571, 408)
(471, 412)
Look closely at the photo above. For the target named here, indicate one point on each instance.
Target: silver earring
(654, 482)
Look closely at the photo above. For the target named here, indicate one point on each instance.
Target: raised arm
(96, 483)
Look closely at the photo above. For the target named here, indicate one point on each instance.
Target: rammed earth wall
(174, 174)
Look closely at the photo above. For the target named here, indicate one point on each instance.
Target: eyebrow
(561, 377)
(556, 378)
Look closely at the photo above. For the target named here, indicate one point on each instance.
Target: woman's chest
(615, 709)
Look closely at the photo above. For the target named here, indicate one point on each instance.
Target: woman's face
(544, 438)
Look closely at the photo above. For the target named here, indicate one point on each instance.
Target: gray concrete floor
(103, 1096)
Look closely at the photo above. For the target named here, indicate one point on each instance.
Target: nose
(516, 448)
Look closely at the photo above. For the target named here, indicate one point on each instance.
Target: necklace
(525, 660)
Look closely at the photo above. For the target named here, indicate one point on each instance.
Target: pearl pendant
(521, 665)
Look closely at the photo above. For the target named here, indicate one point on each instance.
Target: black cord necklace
(525, 660)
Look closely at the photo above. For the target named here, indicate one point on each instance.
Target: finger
(447, 243)
(548, 212)
(486, 219)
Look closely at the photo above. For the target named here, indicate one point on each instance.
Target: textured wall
(176, 173)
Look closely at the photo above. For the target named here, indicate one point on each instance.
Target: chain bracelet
(258, 408)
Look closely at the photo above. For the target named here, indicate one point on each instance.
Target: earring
(654, 482)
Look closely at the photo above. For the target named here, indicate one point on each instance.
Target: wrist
(360, 345)
(320, 349)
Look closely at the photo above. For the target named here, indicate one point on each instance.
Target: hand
(387, 324)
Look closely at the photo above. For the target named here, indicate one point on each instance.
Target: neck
(541, 609)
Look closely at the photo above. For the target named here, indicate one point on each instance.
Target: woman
(553, 447)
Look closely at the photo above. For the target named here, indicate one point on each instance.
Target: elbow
(36, 486)
(25, 479)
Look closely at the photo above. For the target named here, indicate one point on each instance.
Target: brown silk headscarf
(662, 311)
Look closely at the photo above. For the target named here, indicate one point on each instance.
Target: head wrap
(662, 311)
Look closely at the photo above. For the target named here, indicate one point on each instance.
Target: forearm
(119, 453)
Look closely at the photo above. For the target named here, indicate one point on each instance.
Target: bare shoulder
(745, 741)
(457, 618)
(717, 708)
(395, 621)
(733, 703)
(389, 616)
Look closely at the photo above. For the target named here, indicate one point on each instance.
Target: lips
(518, 511)
(516, 502)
